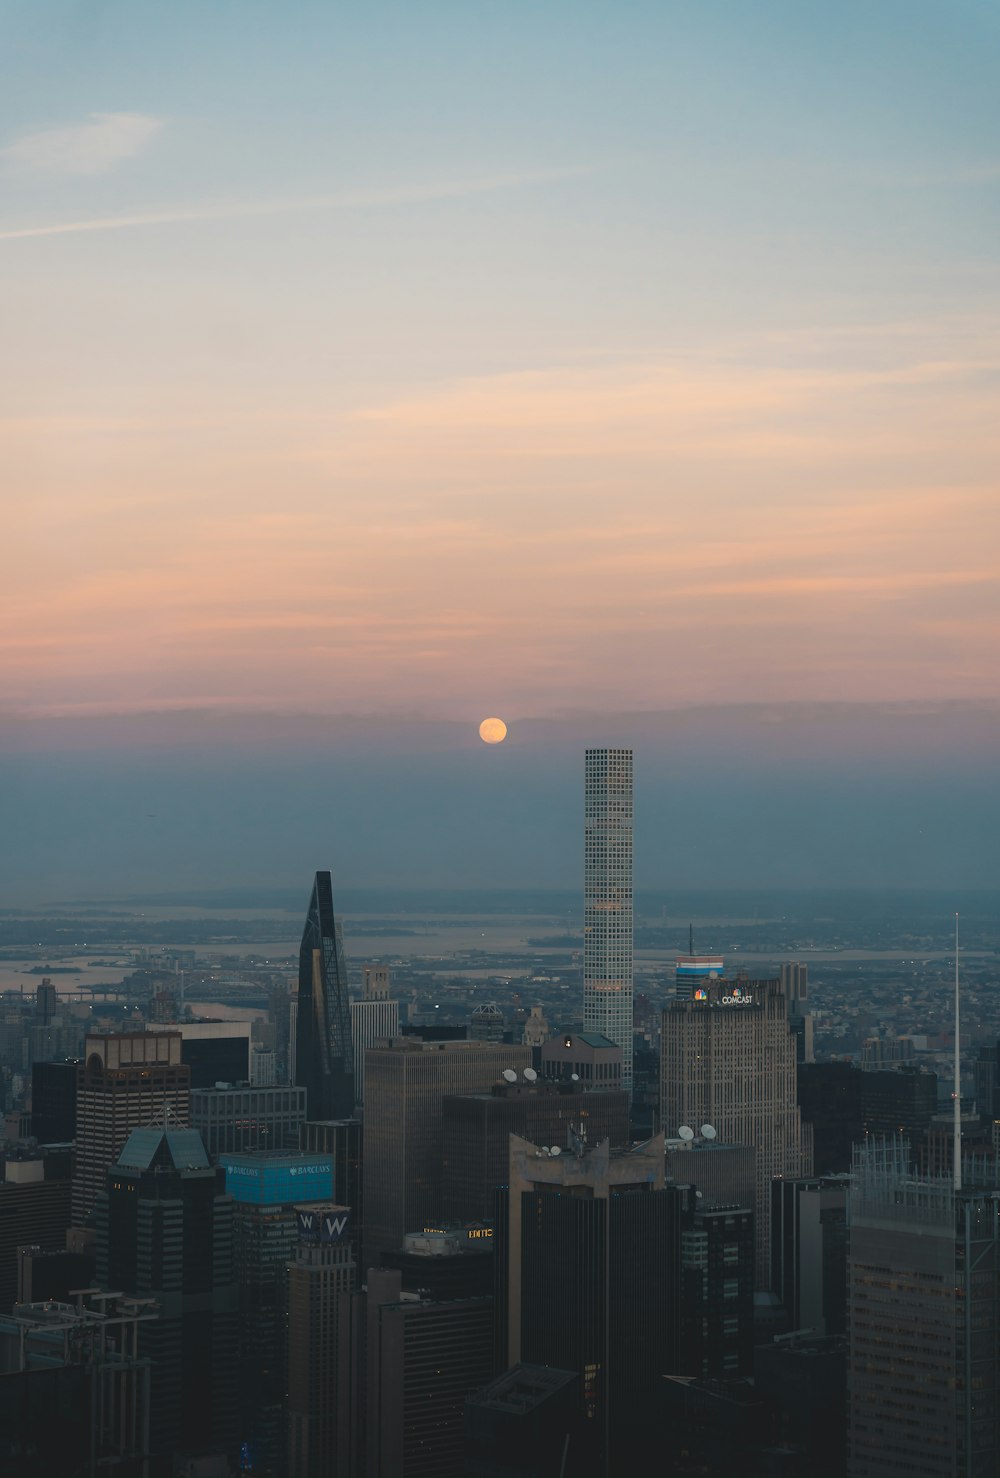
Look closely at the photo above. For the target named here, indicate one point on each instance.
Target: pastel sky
(436, 358)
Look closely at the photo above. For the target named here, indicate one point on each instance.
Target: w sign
(323, 1225)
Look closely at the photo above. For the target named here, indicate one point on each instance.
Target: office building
(423, 1358)
(321, 1355)
(587, 1057)
(75, 1389)
(486, 1023)
(923, 1306)
(607, 903)
(373, 1019)
(527, 1423)
(342, 1140)
(34, 1211)
(809, 1251)
(723, 1174)
(269, 1191)
(406, 1083)
(53, 1276)
(450, 1261)
(215, 1051)
(263, 1066)
(324, 1063)
(829, 1095)
(802, 1380)
(165, 1232)
(376, 983)
(536, 1028)
(693, 972)
(125, 1080)
(899, 1104)
(728, 1060)
(53, 1101)
(476, 1128)
(590, 1276)
(248, 1120)
(716, 1299)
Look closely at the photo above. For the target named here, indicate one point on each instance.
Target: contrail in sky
(348, 200)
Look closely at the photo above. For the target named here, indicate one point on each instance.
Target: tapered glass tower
(323, 1061)
(607, 902)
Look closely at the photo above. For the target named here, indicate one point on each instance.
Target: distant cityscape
(505, 1186)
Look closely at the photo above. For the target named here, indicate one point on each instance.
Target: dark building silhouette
(595, 1060)
(322, 1368)
(802, 1380)
(323, 1053)
(248, 1119)
(34, 1211)
(422, 1359)
(165, 1232)
(591, 1262)
(53, 1101)
(342, 1140)
(52, 1277)
(899, 1104)
(476, 1128)
(716, 1302)
(829, 1095)
(525, 1424)
(809, 1251)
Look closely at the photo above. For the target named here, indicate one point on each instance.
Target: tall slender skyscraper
(607, 900)
(323, 1060)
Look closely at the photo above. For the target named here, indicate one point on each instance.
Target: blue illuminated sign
(278, 1180)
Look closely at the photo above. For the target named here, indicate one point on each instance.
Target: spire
(957, 1095)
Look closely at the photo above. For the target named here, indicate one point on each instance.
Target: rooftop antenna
(957, 1095)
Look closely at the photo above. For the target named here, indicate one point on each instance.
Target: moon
(492, 731)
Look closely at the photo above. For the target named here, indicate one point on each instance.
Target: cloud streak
(96, 146)
(344, 200)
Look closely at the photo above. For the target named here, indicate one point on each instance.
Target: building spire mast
(957, 1095)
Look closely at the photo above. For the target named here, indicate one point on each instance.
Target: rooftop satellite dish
(555, 1150)
(686, 1132)
(530, 1074)
(698, 1194)
(574, 1077)
(708, 1131)
(510, 1075)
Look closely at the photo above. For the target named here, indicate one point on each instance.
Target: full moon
(492, 731)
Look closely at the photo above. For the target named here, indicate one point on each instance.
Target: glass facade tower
(607, 903)
(323, 1057)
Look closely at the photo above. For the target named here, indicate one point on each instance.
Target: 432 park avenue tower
(607, 902)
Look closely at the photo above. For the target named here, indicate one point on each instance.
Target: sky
(625, 370)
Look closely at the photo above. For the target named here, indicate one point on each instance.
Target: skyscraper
(126, 1080)
(373, 1018)
(323, 1058)
(923, 1272)
(405, 1085)
(320, 1352)
(590, 1249)
(165, 1233)
(729, 1060)
(607, 901)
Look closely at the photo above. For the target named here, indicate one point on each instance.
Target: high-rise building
(607, 902)
(829, 1096)
(53, 1101)
(376, 982)
(795, 984)
(215, 1051)
(248, 1120)
(323, 1053)
(809, 1251)
(526, 1423)
(34, 1210)
(923, 1316)
(476, 1128)
(590, 1249)
(373, 1019)
(125, 1080)
(486, 1023)
(165, 1233)
(899, 1104)
(406, 1083)
(716, 1308)
(268, 1192)
(423, 1358)
(729, 1060)
(450, 1261)
(321, 1400)
(342, 1139)
(584, 1057)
